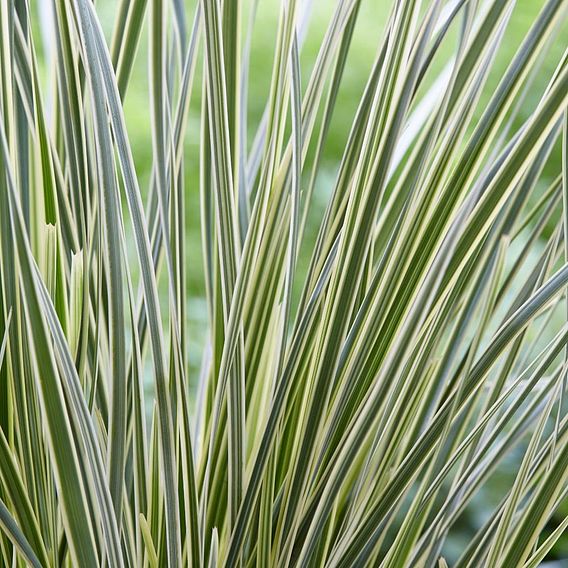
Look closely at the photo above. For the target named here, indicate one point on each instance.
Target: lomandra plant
(359, 388)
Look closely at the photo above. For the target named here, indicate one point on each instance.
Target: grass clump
(370, 369)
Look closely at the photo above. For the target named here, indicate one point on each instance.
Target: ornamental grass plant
(385, 347)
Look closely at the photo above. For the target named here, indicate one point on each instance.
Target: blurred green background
(367, 38)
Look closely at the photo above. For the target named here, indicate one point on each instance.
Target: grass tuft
(384, 369)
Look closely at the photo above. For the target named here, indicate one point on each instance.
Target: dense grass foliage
(370, 369)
